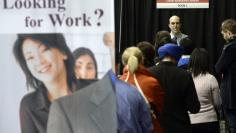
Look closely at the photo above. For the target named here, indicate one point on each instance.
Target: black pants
(208, 127)
(230, 116)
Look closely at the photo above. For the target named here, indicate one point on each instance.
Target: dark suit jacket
(226, 67)
(90, 110)
(180, 97)
(81, 83)
(34, 109)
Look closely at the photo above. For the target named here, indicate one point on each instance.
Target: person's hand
(109, 39)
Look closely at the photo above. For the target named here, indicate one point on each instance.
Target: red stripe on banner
(182, 1)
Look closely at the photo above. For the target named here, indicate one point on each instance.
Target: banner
(169, 4)
(81, 22)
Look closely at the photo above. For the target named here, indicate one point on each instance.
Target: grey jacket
(90, 110)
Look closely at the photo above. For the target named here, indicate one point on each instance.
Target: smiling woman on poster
(48, 66)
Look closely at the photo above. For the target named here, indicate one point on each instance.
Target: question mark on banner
(100, 13)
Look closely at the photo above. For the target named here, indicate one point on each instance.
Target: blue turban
(170, 49)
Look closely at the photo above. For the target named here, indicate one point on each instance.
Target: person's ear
(142, 60)
(229, 33)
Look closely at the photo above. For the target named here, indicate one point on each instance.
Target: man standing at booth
(175, 25)
(226, 68)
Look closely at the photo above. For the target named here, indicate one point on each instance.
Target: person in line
(136, 74)
(188, 46)
(179, 91)
(85, 63)
(48, 67)
(225, 67)
(205, 121)
(107, 106)
(162, 37)
(175, 32)
(148, 51)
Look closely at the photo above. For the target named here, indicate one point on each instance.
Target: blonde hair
(132, 57)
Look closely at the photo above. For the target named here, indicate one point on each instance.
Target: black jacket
(226, 67)
(34, 109)
(180, 97)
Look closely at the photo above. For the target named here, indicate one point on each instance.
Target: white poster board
(83, 24)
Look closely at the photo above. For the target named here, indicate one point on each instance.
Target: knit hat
(170, 49)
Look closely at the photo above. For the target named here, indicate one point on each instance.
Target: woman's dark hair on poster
(51, 40)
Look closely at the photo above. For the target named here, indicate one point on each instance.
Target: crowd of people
(189, 98)
(164, 88)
